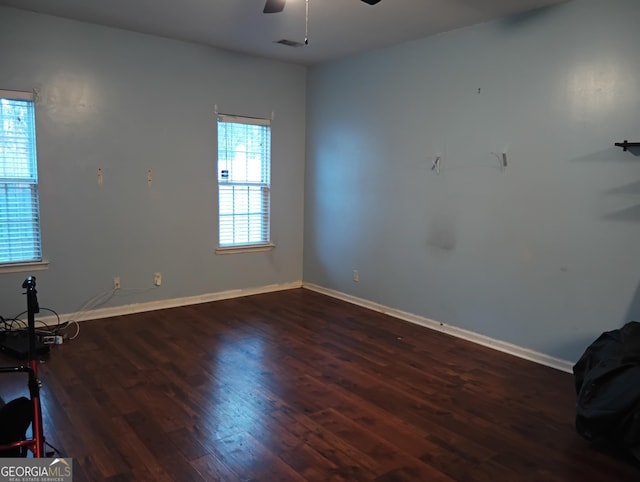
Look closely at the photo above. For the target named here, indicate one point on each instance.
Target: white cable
(77, 330)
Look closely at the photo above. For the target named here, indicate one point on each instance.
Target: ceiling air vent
(289, 43)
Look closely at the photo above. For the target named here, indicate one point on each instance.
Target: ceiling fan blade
(274, 6)
(371, 2)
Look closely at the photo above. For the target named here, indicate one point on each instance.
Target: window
(244, 184)
(19, 210)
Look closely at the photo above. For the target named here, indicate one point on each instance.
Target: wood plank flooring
(297, 386)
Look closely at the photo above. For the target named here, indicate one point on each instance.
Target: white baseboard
(108, 312)
(499, 345)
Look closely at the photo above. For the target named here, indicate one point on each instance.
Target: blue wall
(544, 254)
(126, 103)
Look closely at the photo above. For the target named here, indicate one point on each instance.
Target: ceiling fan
(275, 6)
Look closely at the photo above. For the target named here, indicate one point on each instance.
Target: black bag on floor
(15, 418)
(607, 382)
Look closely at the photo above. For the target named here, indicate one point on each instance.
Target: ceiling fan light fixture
(290, 43)
(274, 6)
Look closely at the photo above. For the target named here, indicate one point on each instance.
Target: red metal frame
(36, 443)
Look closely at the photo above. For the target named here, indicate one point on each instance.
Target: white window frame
(244, 190)
(19, 174)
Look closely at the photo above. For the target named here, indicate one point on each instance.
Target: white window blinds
(244, 181)
(19, 209)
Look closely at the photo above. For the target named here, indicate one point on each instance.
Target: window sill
(22, 267)
(245, 249)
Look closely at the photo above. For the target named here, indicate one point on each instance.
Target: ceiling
(336, 28)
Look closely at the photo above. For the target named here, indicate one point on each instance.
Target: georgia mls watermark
(36, 470)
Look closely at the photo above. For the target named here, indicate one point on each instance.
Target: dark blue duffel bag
(607, 381)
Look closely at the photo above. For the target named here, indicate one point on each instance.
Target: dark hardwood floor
(293, 386)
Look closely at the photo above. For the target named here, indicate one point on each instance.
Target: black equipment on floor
(15, 343)
(607, 383)
(13, 439)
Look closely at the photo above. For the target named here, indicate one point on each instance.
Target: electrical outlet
(356, 275)
(157, 279)
(116, 283)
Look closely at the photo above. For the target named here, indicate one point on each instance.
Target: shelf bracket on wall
(626, 144)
